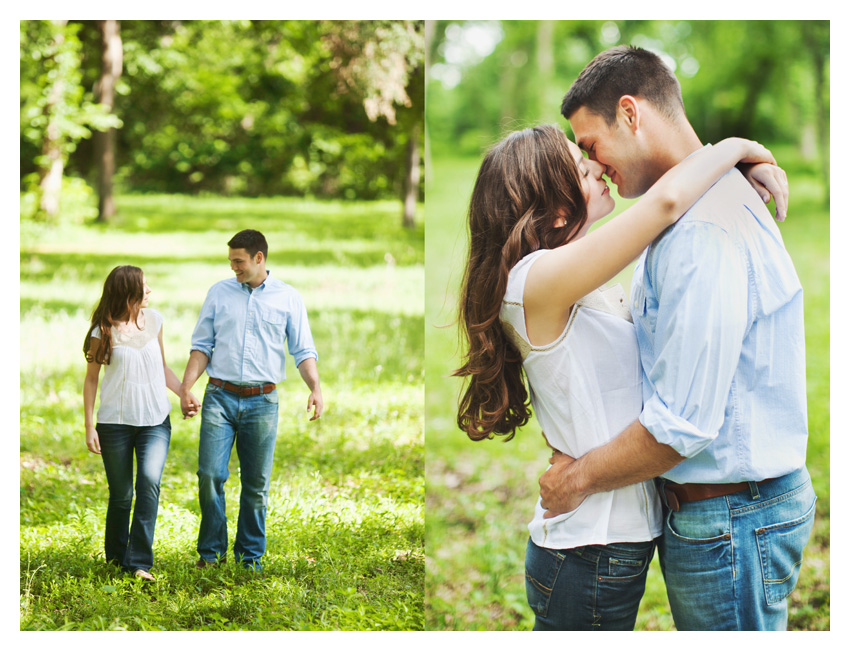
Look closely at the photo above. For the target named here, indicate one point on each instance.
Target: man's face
(248, 269)
(617, 148)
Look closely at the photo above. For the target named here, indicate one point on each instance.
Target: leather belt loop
(672, 500)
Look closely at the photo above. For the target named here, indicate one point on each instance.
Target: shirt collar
(262, 284)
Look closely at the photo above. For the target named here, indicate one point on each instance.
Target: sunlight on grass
(346, 507)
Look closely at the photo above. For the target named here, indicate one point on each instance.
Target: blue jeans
(250, 422)
(589, 588)
(730, 562)
(132, 549)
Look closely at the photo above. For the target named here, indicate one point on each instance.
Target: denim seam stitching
(772, 501)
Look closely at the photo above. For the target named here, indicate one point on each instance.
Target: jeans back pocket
(781, 553)
(541, 572)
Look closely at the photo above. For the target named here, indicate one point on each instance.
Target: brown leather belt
(243, 391)
(680, 493)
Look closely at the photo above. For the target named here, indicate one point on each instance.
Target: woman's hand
(769, 180)
(759, 167)
(754, 152)
(92, 440)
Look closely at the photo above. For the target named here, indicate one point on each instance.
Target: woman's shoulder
(519, 272)
(151, 313)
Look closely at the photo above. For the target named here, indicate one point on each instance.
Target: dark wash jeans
(131, 545)
(588, 588)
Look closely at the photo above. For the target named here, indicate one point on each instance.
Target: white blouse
(585, 389)
(133, 390)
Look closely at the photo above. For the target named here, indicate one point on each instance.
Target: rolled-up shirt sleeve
(700, 306)
(298, 336)
(203, 336)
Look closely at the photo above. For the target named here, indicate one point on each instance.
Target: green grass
(480, 495)
(345, 522)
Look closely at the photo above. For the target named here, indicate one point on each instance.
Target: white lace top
(585, 389)
(133, 390)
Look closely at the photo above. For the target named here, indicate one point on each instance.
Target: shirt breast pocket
(273, 326)
(644, 309)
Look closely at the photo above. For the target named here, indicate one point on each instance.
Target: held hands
(92, 440)
(189, 405)
(556, 495)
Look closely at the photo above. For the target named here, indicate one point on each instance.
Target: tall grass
(345, 523)
(480, 495)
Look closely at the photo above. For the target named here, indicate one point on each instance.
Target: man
(239, 341)
(718, 312)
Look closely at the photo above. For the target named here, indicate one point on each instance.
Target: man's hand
(557, 493)
(316, 403)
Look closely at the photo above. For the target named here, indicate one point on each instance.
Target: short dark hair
(624, 70)
(250, 240)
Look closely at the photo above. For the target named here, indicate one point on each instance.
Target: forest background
(486, 78)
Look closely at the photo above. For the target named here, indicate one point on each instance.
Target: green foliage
(345, 523)
(734, 80)
(245, 108)
(51, 88)
(56, 113)
(480, 495)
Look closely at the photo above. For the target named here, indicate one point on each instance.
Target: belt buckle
(672, 500)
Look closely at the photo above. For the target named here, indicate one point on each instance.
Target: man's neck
(677, 144)
(260, 280)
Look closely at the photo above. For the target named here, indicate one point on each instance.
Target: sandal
(144, 574)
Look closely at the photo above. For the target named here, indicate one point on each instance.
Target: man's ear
(259, 258)
(628, 110)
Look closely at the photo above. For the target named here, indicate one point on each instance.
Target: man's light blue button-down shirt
(243, 331)
(718, 311)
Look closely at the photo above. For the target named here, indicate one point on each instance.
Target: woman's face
(146, 297)
(596, 193)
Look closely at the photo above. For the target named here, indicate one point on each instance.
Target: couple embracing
(239, 341)
(677, 414)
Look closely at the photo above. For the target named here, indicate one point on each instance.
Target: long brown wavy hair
(525, 183)
(121, 300)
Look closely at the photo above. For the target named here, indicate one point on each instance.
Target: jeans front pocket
(541, 572)
(781, 552)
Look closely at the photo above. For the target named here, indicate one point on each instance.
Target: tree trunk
(545, 70)
(111, 64)
(50, 172)
(411, 178)
(430, 35)
(822, 121)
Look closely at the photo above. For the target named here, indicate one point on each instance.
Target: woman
(126, 336)
(530, 306)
